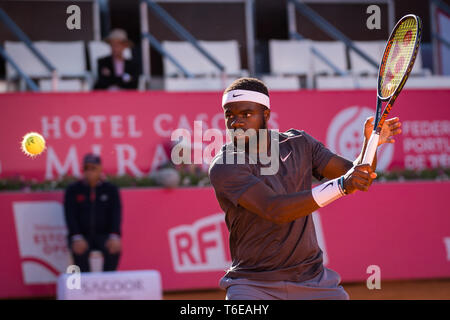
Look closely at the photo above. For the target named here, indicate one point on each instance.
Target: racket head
(399, 56)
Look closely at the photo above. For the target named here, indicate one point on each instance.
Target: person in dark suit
(92, 210)
(114, 72)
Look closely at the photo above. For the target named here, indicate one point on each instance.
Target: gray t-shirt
(260, 249)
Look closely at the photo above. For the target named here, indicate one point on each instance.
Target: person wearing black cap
(92, 210)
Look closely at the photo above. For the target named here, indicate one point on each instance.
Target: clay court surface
(390, 290)
(434, 289)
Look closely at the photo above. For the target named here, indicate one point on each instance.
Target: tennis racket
(396, 65)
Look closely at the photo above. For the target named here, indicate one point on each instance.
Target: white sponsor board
(113, 285)
(41, 236)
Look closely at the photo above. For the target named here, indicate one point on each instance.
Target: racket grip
(371, 148)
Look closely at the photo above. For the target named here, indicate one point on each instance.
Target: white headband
(245, 95)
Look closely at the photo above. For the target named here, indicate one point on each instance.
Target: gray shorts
(325, 286)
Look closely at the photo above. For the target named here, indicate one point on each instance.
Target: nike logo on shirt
(285, 158)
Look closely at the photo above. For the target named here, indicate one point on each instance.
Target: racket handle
(371, 148)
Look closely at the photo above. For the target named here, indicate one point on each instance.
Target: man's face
(117, 48)
(245, 115)
(92, 172)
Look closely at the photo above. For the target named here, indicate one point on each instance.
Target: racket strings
(400, 50)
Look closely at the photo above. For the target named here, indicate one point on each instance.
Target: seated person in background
(114, 72)
(92, 209)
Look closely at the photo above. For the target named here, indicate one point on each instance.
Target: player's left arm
(338, 166)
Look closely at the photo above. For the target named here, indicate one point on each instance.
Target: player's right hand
(359, 177)
(79, 246)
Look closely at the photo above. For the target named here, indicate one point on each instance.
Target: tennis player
(274, 249)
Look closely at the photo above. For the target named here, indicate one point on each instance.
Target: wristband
(329, 191)
(341, 184)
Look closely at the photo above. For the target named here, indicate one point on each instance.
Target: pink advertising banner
(400, 228)
(132, 130)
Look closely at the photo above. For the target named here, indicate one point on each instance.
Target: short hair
(251, 84)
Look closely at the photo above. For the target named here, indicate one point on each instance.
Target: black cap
(91, 158)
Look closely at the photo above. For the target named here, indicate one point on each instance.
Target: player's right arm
(282, 208)
(263, 201)
(240, 186)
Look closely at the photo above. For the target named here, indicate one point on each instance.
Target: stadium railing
(66, 57)
(178, 29)
(191, 58)
(43, 65)
(14, 28)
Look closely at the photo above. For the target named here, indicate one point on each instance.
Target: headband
(245, 95)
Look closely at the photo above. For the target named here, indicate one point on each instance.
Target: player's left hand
(391, 127)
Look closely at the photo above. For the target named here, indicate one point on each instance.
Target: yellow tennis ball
(33, 144)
